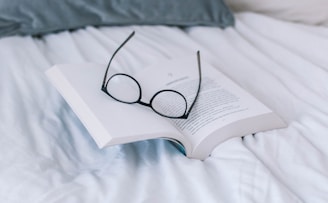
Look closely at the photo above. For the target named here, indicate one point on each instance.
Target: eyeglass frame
(138, 101)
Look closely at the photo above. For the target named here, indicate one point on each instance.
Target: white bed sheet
(46, 155)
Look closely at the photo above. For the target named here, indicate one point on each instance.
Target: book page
(220, 102)
(108, 121)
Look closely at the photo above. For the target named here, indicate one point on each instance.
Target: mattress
(46, 154)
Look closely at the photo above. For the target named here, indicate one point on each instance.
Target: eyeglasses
(126, 89)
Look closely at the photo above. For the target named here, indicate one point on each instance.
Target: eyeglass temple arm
(199, 84)
(110, 61)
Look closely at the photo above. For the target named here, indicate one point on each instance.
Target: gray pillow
(34, 17)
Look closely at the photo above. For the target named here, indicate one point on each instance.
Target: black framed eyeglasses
(126, 89)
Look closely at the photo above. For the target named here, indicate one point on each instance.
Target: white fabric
(313, 12)
(46, 155)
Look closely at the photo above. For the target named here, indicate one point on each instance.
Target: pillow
(314, 12)
(34, 17)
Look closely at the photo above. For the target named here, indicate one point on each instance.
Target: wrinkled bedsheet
(46, 154)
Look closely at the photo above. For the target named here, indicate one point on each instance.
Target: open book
(222, 110)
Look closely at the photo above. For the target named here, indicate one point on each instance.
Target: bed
(46, 154)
